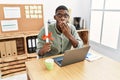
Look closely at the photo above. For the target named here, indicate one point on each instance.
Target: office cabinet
(13, 38)
(14, 53)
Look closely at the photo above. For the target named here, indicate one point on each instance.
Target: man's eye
(60, 15)
(66, 15)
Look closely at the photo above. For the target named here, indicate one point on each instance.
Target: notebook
(72, 56)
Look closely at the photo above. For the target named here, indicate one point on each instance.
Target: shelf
(14, 53)
(84, 35)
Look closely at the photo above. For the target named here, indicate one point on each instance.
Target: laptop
(72, 56)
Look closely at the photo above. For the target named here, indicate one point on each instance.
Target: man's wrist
(41, 52)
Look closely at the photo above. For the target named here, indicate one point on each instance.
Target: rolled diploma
(46, 32)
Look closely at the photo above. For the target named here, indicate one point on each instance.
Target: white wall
(79, 8)
(21, 1)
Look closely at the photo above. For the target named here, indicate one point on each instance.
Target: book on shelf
(92, 57)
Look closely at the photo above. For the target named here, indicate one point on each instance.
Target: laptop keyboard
(58, 59)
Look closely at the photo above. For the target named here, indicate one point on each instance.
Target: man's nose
(62, 18)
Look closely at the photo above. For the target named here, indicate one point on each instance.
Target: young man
(64, 35)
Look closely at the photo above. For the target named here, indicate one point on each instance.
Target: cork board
(31, 17)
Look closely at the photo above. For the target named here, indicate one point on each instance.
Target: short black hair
(61, 7)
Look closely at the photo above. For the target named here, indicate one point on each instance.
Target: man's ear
(54, 17)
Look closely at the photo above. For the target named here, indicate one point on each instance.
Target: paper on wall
(9, 25)
(12, 12)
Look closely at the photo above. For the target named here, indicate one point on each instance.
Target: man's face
(62, 16)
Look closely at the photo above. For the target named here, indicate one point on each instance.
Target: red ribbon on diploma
(44, 37)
